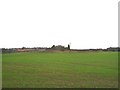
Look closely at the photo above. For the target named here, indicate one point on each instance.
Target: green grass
(60, 70)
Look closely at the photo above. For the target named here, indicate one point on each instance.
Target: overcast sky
(43, 23)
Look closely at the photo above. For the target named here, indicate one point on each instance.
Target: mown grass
(60, 70)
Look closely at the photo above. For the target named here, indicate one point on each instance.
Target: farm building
(60, 47)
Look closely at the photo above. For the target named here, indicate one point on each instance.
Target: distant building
(11, 50)
(113, 49)
(60, 47)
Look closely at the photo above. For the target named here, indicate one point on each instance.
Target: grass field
(60, 70)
